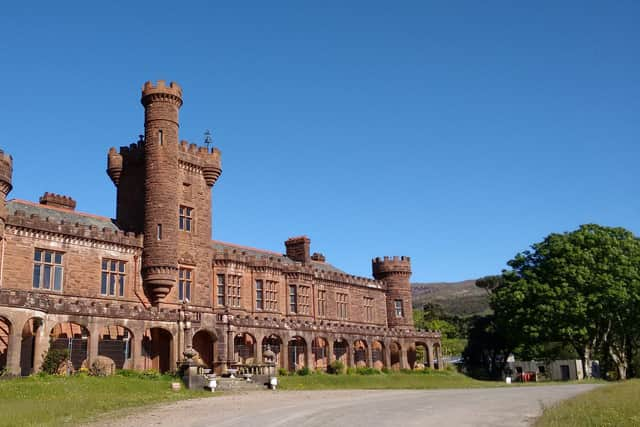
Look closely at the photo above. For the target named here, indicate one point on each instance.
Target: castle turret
(160, 258)
(396, 272)
(6, 173)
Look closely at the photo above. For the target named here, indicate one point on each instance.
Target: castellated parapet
(58, 201)
(6, 174)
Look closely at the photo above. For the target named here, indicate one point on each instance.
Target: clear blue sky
(454, 132)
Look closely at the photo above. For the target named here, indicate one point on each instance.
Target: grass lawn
(52, 401)
(395, 380)
(611, 405)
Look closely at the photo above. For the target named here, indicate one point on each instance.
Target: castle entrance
(156, 349)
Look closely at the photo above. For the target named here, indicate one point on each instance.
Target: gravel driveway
(512, 406)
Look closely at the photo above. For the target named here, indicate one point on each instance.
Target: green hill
(456, 298)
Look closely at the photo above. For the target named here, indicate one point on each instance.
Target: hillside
(456, 298)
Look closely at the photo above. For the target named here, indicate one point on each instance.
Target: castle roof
(60, 214)
(264, 254)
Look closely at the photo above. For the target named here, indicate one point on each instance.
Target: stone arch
(418, 355)
(204, 342)
(5, 332)
(320, 351)
(341, 351)
(274, 342)
(116, 342)
(360, 350)
(72, 337)
(395, 350)
(377, 354)
(297, 347)
(244, 348)
(157, 345)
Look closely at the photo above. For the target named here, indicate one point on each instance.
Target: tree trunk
(620, 359)
(586, 360)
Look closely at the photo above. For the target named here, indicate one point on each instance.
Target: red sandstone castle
(142, 288)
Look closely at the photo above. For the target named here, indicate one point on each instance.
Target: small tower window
(186, 218)
(398, 308)
(160, 137)
(159, 232)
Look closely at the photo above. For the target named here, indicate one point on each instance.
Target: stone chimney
(58, 201)
(318, 257)
(298, 249)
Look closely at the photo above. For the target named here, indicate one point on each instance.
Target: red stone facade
(143, 287)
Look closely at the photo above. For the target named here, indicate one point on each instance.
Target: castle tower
(396, 272)
(6, 172)
(159, 263)
(164, 191)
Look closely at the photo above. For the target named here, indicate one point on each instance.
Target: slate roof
(59, 214)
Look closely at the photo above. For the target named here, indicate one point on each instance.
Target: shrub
(53, 360)
(386, 370)
(303, 372)
(351, 371)
(367, 371)
(282, 372)
(336, 367)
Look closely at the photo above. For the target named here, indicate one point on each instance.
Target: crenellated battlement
(160, 92)
(385, 266)
(47, 224)
(207, 160)
(6, 173)
(58, 201)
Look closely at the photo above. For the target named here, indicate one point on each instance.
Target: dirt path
(515, 406)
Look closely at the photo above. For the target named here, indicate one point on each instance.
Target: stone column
(430, 356)
(387, 355)
(40, 347)
(330, 357)
(352, 362)
(13, 353)
(309, 362)
(94, 340)
(284, 354)
(230, 350)
(259, 351)
(136, 351)
(369, 356)
(404, 363)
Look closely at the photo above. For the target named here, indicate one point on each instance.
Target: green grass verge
(612, 405)
(54, 401)
(395, 380)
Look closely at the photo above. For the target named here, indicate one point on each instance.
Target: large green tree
(581, 288)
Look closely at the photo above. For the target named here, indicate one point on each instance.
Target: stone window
(184, 284)
(113, 277)
(48, 271)
(293, 299)
(322, 302)
(259, 295)
(398, 308)
(271, 296)
(186, 218)
(368, 309)
(233, 290)
(304, 307)
(342, 305)
(221, 290)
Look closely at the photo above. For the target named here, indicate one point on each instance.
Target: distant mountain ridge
(456, 298)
